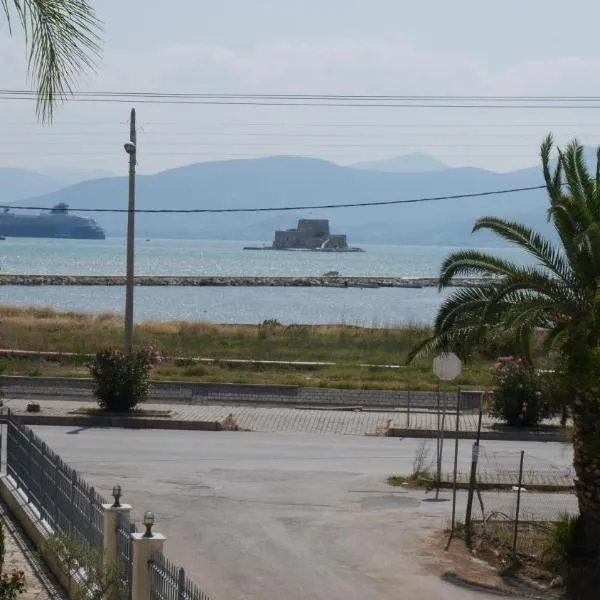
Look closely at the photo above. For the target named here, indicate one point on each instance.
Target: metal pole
(438, 435)
(456, 433)
(442, 431)
(514, 549)
(473, 479)
(132, 151)
(440, 425)
(408, 376)
(408, 397)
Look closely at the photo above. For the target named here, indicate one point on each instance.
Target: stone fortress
(310, 234)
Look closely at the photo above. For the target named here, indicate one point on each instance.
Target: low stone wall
(210, 281)
(200, 393)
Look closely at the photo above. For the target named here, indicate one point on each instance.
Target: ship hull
(50, 226)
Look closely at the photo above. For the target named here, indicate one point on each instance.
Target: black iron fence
(64, 500)
(169, 582)
(125, 551)
(73, 509)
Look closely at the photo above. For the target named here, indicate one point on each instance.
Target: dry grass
(48, 330)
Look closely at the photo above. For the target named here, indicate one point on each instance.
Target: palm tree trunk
(583, 579)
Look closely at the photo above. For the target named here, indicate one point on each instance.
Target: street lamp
(116, 492)
(148, 522)
(130, 148)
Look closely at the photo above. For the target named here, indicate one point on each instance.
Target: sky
(380, 47)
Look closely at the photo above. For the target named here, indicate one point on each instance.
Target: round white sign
(446, 366)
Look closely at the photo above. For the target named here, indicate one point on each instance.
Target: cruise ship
(55, 223)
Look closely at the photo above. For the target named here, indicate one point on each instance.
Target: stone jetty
(214, 281)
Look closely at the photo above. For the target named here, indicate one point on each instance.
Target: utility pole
(131, 149)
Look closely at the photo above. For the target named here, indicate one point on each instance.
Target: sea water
(371, 307)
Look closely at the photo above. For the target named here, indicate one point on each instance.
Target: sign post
(446, 366)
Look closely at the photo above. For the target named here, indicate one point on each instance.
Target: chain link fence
(516, 498)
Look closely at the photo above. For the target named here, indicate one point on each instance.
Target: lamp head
(116, 492)
(148, 522)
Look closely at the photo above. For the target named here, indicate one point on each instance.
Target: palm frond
(531, 280)
(553, 180)
(556, 295)
(597, 169)
(466, 263)
(579, 182)
(532, 242)
(63, 41)
(463, 305)
(556, 336)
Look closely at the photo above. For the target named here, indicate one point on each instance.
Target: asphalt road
(264, 516)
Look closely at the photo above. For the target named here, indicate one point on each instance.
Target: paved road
(258, 516)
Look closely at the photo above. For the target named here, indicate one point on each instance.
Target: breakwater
(215, 281)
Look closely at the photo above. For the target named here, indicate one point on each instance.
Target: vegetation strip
(360, 354)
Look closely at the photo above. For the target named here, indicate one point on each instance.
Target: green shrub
(86, 567)
(561, 542)
(122, 380)
(12, 584)
(519, 397)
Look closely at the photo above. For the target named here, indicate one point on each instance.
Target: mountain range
(285, 181)
(409, 163)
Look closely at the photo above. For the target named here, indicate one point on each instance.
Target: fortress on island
(310, 234)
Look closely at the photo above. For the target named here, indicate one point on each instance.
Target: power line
(287, 208)
(316, 100)
(318, 104)
(285, 144)
(33, 138)
(321, 124)
(354, 97)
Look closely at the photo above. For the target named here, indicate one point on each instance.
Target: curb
(507, 435)
(491, 486)
(183, 425)
(119, 422)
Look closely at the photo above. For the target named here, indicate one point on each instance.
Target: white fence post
(111, 514)
(143, 547)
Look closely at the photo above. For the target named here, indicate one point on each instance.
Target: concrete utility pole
(131, 149)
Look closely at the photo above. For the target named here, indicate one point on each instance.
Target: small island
(310, 235)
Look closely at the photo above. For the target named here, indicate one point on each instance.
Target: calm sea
(228, 305)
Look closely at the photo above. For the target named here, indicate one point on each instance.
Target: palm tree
(560, 296)
(62, 41)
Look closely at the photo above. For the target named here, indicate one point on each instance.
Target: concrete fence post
(110, 531)
(143, 547)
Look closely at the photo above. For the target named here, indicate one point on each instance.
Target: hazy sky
(463, 47)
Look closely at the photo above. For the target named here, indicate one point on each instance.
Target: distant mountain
(409, 163)
(297, 182)
(72, 176)
(16, 184)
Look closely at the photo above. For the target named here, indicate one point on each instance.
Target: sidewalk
(280, 420)
(21, 554)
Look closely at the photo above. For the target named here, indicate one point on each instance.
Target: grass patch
(47, 330)
(424, 479)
